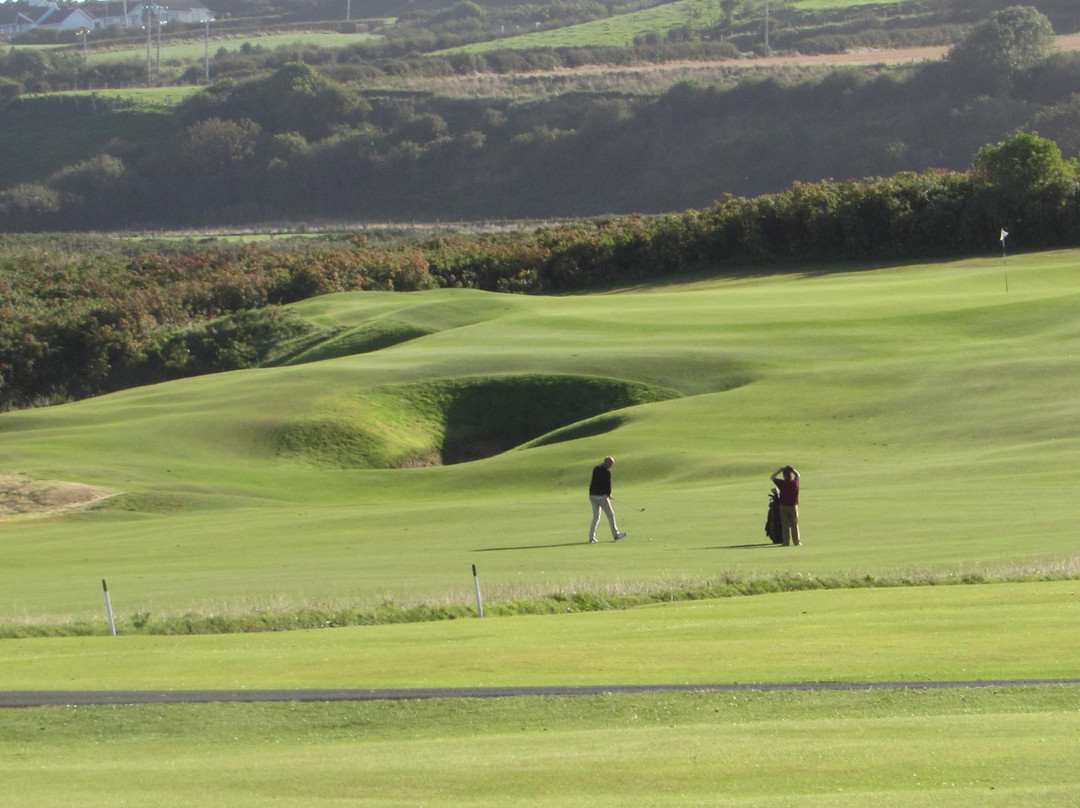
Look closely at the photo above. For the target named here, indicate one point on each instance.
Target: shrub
(28, 207)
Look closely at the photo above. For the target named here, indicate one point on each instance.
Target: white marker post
(108, 608)
(476, 586)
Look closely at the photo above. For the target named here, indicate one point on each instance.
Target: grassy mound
(363, 339)
(450, 421)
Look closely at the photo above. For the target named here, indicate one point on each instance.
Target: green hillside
(930, 408)
(500, 111)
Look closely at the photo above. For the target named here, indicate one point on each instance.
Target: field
(930, 409)
(193, 49)
(621, 30)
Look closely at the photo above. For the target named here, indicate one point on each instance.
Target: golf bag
(772, 521)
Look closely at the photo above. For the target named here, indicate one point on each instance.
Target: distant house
(182, 11)
(68, 18)
(16, 17)
(133, 12)
(24, 16)
(111, 13)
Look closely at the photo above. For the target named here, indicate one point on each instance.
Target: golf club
(628, 505)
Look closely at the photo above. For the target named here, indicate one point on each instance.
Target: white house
(184, 11)
(16, 17)
(68, 18)
(131, 13)
(123, 13)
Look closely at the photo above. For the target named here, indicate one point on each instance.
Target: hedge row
(75, 323)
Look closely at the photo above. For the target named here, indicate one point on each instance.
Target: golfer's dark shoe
(620, 536)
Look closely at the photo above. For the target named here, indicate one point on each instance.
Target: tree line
(79, 318)
(296, 145)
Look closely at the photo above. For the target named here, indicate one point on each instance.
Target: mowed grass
(989, 632)
(932, 415)
(931, 412)
(994, 747)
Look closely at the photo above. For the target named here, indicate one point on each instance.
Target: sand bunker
(21, 495)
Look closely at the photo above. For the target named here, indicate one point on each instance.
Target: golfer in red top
(789, 504)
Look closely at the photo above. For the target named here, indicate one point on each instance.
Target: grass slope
(621, 30)
(930, 410)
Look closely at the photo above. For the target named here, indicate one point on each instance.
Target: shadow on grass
(529, 547)
(744, 546)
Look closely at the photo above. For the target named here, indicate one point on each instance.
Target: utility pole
(157, 65)
(206, 48)
(148, 13)
(766, 25)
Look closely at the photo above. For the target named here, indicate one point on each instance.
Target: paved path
(45, 698)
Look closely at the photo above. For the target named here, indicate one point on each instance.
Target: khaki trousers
(789, 524)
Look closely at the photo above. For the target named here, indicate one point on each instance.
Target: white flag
(1004, 235)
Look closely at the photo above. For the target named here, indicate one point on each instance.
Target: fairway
(926, 749)
(931, 412)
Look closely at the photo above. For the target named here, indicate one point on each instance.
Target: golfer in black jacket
(600, 497)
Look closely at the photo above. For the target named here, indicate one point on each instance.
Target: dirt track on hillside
(862, 56)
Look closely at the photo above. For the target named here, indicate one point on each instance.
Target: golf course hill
(930, 408)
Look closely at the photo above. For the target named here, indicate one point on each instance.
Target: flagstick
(1004, 257)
